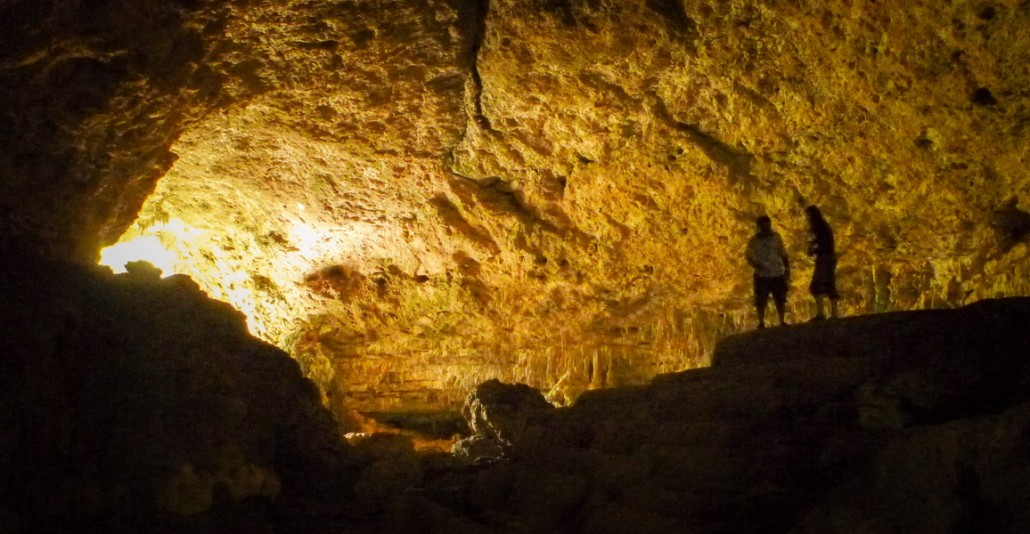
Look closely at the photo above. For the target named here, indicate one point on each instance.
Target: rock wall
(132, 403)
(137, 403)
(94, 94)
(415, 196)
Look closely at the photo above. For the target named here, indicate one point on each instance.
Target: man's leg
(761, 299)
(780, 299)
(833, 308)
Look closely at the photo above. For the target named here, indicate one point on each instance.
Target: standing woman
(824, 279)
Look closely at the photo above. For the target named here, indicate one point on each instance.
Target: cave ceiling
(414, 196)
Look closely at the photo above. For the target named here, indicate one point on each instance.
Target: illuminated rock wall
(416, 196)
(93, 95)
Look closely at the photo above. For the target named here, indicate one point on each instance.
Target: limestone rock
(479, 448)
(382, 480)
(961, 476)
(142, 270)
(502, 411)
(93, 98)
(135, 402)
(773, 438)
(551, 192)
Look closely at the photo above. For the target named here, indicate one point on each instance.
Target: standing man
(765, 253)
(824, 278)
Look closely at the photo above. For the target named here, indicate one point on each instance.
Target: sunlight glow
(146, 248)
(154, 246)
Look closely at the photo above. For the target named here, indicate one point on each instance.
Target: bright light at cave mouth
(146, 248)
(176, 247)
(150, 248)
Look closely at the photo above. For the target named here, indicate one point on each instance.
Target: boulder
(132, 403)
(478, 449)
(498, 410)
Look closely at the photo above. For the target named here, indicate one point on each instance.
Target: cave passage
(560, 197)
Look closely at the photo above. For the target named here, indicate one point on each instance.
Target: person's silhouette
(824, 278)
(766, 254)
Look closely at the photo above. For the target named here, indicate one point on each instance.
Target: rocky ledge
(914, 421)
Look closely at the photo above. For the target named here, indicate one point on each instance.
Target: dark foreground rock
(498, 414)
(905, 422)
(503, 411)
(132, 402)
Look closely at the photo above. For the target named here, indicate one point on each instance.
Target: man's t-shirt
(767, 252)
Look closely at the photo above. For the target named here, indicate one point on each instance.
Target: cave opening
(303, 238)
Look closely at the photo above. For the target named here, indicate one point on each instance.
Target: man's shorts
(776, 285)
(824, 279)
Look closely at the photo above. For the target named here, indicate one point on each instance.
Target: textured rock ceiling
(414, 196)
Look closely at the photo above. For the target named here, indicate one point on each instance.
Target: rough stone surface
(93, 97)
(502, 411)
(961, 476)
(480, 448)
(415, 196)
(773, 439)
(136, 403)
(132, 402)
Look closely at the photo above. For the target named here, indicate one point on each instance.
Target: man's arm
(749, 255)
(786, 261)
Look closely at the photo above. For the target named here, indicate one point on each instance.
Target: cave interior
(478, 265)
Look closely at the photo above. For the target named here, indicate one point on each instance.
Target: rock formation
(417, 196)
(497, 414)
(131, 401)
(817, 428)
(412, 197)
(502, 411)
(136, 403)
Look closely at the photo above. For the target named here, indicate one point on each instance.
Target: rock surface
(779, 437)
(415, 199)
(94, 95)
(132, 402)
(503, 411)
(135, 403)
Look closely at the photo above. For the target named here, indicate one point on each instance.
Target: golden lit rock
(416, 199)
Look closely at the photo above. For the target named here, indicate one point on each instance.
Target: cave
(459, 265)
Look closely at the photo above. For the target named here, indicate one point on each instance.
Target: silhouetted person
(765, 253)
(824, 278)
